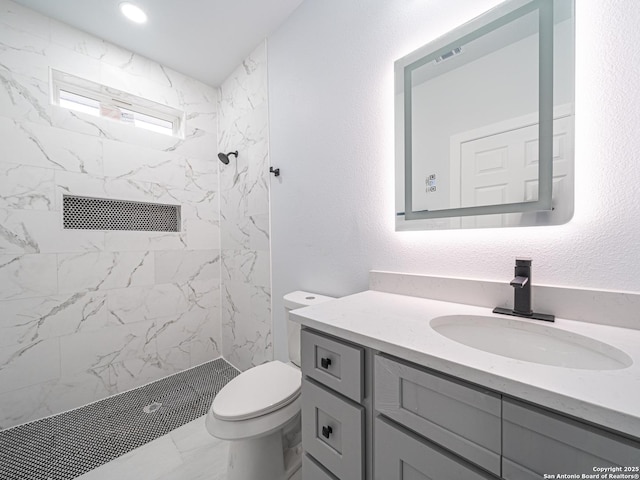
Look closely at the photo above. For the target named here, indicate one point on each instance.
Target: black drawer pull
(325, 362)
(327, 431)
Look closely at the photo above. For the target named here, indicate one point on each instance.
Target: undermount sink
(531, 342)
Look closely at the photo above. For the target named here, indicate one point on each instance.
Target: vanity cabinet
(312, 470)
(462, 418)
(402, 455)
(537, 441)
(333, 363)
(421, 424)
(333, 420)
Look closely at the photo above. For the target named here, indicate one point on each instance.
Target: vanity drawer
(537, 441)
(402, 455)
(333, 431)
(460, 417)
(333, 363)
(311, 470)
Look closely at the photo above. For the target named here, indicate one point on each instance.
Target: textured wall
(244, 214)
(85, 314)
(331, 122)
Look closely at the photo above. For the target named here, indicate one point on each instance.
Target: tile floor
(70, 444)
(187, 453)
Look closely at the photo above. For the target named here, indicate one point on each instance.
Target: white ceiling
(205, 39)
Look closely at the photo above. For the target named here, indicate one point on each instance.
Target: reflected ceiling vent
(449, 54)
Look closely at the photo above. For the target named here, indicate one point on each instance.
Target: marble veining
(244, 215)
(108, 310)
(23, 187)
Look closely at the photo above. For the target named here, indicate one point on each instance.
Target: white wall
(84, 313)
(331, 120)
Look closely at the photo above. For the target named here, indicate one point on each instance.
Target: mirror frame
(487, 22)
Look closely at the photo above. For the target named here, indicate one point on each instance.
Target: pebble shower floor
(70, 444)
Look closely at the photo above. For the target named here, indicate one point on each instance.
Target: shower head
(224, 157)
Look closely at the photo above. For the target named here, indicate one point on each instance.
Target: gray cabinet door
(336, 364)
(536, 441)
(458, 416)
(402, 455)
(333, 431)
(312, 470)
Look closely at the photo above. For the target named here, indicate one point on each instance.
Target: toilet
(259, 411)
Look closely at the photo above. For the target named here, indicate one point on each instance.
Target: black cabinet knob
(327, 431)
(325, 362)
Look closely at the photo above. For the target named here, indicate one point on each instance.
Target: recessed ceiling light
(133, 12)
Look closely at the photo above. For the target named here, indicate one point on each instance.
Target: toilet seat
(257, 391)
(267, 405)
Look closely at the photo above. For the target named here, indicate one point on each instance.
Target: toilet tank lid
(299, 299)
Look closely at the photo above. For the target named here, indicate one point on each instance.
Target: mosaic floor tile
(70, 444)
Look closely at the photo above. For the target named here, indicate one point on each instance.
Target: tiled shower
(90, 313)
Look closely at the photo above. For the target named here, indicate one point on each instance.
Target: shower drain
(152, 408)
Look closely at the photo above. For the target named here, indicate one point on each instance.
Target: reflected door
(503, 168)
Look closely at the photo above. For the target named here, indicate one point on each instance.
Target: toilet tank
(292, 301)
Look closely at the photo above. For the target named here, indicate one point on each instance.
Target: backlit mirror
(484, 122)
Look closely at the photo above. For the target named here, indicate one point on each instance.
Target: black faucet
(522, 294)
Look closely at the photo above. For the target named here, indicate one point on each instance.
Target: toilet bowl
(259, 411)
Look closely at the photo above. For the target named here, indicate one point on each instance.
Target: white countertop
(399, 325)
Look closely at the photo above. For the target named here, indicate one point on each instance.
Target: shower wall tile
(204, 293)
(22, 19)
(243, 125)
(199, 232)
(24, 98)
(246, 332)
(129, 305)
(187, 266)
(46, 147)
(37, 231)
(125, 161)
(258, 179)
(185, 329)
(99, 350)
(27, 276)
(26, 188)
(104, 271)
(21, 58)
(32, 319)
(83, 185)
(74, 391)
(88, 313)
(122, 241)
(138, 371)
(21, 405)
(23, 365)
(247, 267)
(234, 232)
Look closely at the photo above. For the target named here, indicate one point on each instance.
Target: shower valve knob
(325, 362)
(327, 431)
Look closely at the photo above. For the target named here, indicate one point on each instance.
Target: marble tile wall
(86, 314)
(243, 125)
